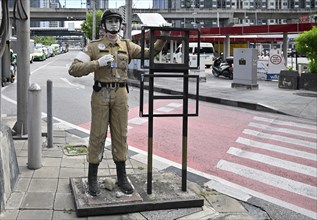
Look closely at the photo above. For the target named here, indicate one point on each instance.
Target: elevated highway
(67, 14)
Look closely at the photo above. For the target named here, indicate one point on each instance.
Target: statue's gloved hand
(105, 60)
(165, 32)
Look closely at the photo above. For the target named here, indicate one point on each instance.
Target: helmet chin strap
(112, 37)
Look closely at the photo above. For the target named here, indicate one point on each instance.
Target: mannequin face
(113, 25)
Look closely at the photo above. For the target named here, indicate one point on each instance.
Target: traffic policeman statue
(108, 58)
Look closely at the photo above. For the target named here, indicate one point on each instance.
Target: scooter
(220, 68)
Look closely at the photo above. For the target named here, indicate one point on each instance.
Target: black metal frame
(169, 70)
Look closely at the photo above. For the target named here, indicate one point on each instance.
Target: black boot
(93, 187)
(123, 182)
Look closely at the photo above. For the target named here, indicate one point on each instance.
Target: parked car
(57, 48)
(50, 51)
(39, 54)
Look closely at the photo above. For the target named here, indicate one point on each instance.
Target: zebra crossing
(286, 148)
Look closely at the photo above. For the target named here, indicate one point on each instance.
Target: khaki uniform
(109, 106)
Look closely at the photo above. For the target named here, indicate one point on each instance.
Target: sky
(112, 3)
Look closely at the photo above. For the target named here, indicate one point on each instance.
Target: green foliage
(86, 26)
(45, 40)
(306, 43)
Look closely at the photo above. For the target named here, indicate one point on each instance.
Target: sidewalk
(45, 193)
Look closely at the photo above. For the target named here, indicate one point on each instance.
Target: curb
(233, 103)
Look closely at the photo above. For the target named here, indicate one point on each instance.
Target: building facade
(253, 7)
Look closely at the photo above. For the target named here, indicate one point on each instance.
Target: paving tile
(59, 140)
(25, 172)
(63, 186)
(38, 200)
(35, 214)
(51, 162)
(9, 214)
(223, 203)
(15, 200)
(76, 162)
(72, 172)
(64, 201)
(169, 213)
(66, 215)
(22, 184)
(205, 213)
(55, 153)
(103, 172)
(43, 185)
(46, 172)
(59, 133)
(138, 167)
(22, 153)
(156, 164)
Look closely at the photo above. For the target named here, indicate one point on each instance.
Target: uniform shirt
(121, 52)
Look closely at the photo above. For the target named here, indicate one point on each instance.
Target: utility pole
(128, 18)
(23, 70)
(93, 4)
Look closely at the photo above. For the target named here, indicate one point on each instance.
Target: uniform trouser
(108, 107)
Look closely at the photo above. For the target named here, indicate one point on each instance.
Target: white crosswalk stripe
(311, 171)
(276, 148)
(281, 138)
(288, 123)
(284, 130)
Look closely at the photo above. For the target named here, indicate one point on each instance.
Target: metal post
(285, 46)
(34, 127)
(23, 70)
(128, 18)
(185, 131)
(150, 134)
(49, 113)
(1, 83)
(93, 4)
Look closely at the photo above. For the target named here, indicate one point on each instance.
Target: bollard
(34, 127)
(49, 113)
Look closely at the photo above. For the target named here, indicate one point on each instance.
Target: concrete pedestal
(166, 194)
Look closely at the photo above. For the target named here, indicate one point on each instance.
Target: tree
(306, 43)
(86, 26)
(44, 40)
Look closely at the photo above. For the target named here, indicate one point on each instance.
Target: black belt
(110, 84)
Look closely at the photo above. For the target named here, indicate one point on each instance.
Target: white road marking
(137, 120)
(269, 179)
(288, 123)
(276, 148)
(288, 165)
(284, 130)
(288, 140)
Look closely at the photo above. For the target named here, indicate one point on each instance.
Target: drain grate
(306, 94)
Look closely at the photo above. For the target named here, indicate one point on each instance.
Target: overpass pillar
(226, 51)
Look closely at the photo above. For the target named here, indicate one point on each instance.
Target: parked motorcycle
(9, 76)
(220, 68)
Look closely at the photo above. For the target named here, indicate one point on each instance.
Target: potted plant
(306, 43)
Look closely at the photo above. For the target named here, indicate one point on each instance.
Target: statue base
(166, 194)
